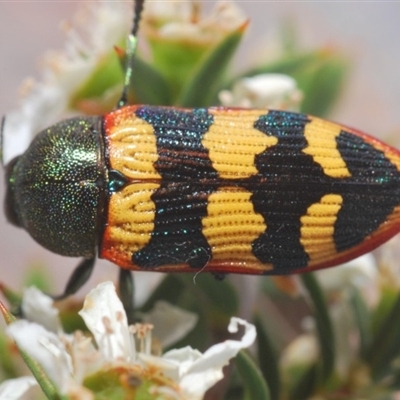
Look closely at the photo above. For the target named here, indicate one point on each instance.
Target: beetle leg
(78, 278)
(126, 293)
(219, 276)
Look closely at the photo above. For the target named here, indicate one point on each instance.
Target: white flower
(98, 27)
(24, 388)
(105, 317)
(181, 20)
(196, 372)
(356, 273)
(69, 359)
(38, 307)
(276, 91)
(46, 348)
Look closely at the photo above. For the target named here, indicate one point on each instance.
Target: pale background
(368, 32)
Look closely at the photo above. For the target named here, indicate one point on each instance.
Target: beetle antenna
(130, 52)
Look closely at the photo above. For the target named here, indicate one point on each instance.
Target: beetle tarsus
(78, 278)
(126, 292)
(219, 276)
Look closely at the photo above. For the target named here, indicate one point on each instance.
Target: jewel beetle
(222, 190)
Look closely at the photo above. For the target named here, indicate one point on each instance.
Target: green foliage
(320, 75)
(203, 83)
(323, 325)
(108, 74)
(254, 384)
(268, 360)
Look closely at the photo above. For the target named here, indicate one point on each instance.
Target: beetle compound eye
(10, 212)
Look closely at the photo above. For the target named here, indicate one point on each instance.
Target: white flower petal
(24, 388)
(41, 107)
(169, 367)
(46, 348)
(194, 385)
(168, 10)
(219, 355)
(183, 359)
(356, 273)
(87, 359)
(196, 372)
(38, 307)
(207, 370)
(225, 16)
(105, 317)
(182, 21)
(275, 91)
(170, 323)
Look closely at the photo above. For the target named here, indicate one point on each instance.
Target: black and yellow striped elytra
(248, 191)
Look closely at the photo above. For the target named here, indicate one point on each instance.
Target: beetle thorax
(54, 188)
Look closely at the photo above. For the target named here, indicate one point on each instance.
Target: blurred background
(366, 32)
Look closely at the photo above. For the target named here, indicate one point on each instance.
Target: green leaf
(321, 85)
(107, 74)
(255, 386)
(7, 359)
(363, 321)
(385, 346)
(220, 294)
(288, 65)
(44, 382)
(176, 60)
(71, 321)
(38, 275)
(170, 289)
(395, 381)
(200, 337)
(148, 85)
(324, 326)
(14, 300)
(388, 297)
(268, 360)
(235, 389)
(201, 88)
(305, 385)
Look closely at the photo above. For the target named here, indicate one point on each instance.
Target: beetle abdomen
(245, 191)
